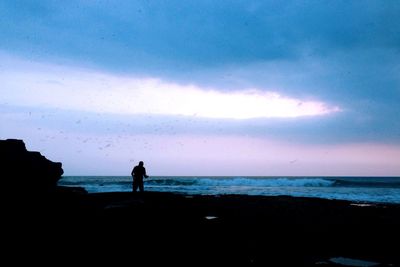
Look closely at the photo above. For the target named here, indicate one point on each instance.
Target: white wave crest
(272, 182)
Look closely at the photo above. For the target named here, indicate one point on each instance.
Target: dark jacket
(138, 172)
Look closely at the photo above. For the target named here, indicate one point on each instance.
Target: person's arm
(145, 175)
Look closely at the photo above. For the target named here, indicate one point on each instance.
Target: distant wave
(238, 181)
(363, 183)
(275, 182)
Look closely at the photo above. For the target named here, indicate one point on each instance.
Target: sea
(356, 189)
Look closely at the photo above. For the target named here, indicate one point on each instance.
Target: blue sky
(204, 87)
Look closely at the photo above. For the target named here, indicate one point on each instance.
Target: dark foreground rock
(170, 229)
(27, 171)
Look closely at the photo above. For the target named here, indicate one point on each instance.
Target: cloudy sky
(204, 87)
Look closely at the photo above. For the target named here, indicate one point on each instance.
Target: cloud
(42, 85)
(186, 35)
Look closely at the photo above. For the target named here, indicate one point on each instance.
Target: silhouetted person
(138, 173)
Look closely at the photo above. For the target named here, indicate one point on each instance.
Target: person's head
(140, 163)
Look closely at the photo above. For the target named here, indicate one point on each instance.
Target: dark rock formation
(26, 171)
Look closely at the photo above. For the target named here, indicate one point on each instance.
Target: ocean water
(357, 189)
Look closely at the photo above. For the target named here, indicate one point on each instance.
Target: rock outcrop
(26, 171)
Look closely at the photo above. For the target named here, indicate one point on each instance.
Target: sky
(204, 88)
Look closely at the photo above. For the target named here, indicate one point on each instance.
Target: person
(138, 173)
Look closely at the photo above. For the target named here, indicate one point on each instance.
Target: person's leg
(135, 185)
(141, 187)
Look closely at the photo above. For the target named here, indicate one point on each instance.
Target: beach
(156, 228)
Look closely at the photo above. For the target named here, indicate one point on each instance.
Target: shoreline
(172, 228)
(367, 189)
